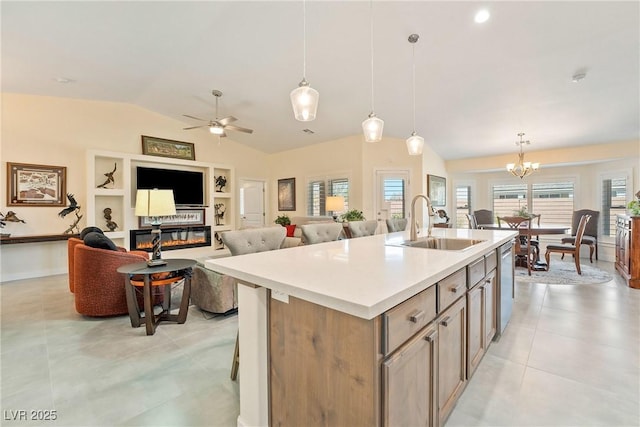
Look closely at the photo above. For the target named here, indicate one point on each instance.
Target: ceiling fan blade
(196, 118)
(226, 120)
(239, 129)
(194, 127)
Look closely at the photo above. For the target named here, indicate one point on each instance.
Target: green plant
(634, 207)
(352, 215)
(283, 220)
(522, 212)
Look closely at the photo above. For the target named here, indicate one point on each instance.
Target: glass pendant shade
(372, 128)
(304, 100)
(415, 143)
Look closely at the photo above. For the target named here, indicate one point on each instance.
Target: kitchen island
(323, 328)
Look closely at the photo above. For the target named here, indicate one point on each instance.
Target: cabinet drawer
(475, 272)
(451, 288)
(407, 318)
(490, 261)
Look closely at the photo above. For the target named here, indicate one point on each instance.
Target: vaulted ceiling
(477, 85)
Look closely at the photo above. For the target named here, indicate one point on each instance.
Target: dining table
(529, 231)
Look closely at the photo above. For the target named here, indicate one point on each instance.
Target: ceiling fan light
(415, 143)
(372, 128)
(216, 130)
(304, 100)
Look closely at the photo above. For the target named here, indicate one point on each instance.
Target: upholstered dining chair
(249, 241)
(590, 237)
(473, 223)
(362, 228)
(570, 249)
(483, 216)
(396, 224)
(319, 233)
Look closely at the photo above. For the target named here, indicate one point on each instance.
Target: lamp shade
(155, 203)
(372, 128)
(334, 203)
(304, 100)
(415, 143)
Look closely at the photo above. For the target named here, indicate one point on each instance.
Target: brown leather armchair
(98, 287)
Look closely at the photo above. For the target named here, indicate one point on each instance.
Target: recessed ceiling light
(482, 16)
(64, 80)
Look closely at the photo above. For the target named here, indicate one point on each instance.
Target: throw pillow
(100, 241)
(290, 230)
(88, 230)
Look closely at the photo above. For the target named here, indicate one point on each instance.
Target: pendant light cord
(413, 60)
(371, 19)
(304, 40)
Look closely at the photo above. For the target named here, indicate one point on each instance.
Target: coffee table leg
(186, 294)
(132, 304)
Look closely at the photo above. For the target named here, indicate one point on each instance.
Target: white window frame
(326, 178)
(625, 173)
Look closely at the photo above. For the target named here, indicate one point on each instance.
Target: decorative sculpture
(109, 175)
(75, 208)
(220, 210)
(219, 242)
(111, 225)
(221, 182)
(9, 217)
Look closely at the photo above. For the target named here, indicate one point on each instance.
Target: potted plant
(634, 205)
(522, 212)
(283, 220)
(352, 215)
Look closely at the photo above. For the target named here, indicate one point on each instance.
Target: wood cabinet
(628, 249)
(482, 314)
(452, 325)
(409, 382)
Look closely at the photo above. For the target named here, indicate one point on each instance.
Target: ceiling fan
(218, 126)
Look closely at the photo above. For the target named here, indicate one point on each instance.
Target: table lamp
(155, 204)
(334, 204)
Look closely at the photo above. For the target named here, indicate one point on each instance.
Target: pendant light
(304, 98)
(372, 127)
(415, 143)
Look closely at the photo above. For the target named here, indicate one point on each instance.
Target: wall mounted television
(187, 186)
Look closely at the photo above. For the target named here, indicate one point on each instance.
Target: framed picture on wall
(183, 217)
(437, 190)
(287, 194)
(36, 185)
(153, 146)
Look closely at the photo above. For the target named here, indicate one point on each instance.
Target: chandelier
(522, 168)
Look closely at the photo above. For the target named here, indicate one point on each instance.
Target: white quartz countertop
(364, 276)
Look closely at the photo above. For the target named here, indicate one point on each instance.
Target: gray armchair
(396, 224)
(362, 228)
(252, 240)
(319, 233)
(212, 291)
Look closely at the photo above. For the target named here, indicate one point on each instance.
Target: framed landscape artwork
(287, 194)
(437, 190)
(168, 148)
(36, 185)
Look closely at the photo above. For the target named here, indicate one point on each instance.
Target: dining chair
(473, 223)
(525, 250)
(570, 249)
(362, 228)
(483, 216)
(396, 224)
(590, 237)
(319, 233)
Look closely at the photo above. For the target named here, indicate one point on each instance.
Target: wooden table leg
(149, 316)
(132, 304)
(186, 294)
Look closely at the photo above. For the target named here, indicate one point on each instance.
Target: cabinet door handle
(445, 321)
(455, 290)
(431, 337)
(415, 318)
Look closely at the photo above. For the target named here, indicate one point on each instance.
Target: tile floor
(569, 357)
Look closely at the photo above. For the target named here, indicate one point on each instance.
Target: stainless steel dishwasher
(505, 287)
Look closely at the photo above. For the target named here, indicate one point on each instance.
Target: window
(463, 205)
(509, 198)
(614, 199)
(393, 196)
(319, 188)
(554, 200)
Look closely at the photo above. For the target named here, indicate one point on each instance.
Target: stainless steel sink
(443, 243)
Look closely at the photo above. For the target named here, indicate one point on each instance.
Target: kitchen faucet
(414, 234)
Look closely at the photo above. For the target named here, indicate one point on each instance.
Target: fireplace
(172, 238)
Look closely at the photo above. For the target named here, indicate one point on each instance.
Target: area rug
(564, 273)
